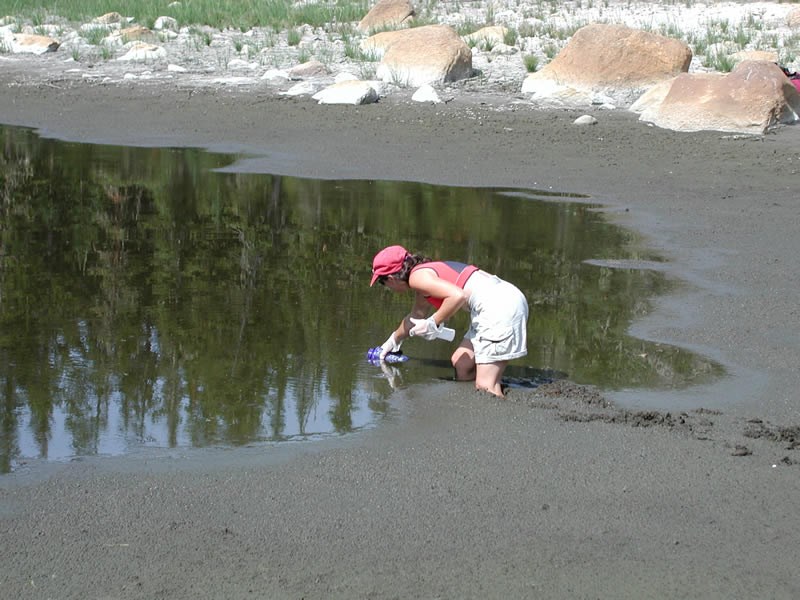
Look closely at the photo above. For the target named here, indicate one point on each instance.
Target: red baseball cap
(388, 261)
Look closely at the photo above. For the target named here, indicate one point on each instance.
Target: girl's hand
(425, 328)
(390, 345)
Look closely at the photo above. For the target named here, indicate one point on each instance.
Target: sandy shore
(551, 494)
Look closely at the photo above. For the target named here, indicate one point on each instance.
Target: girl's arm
(418, 311)
(427, 283)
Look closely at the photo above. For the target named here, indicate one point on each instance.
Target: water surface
(148, 299)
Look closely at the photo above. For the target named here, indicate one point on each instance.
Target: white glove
(390, 345)
(425, 328)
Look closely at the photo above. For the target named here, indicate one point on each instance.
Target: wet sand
(560, 492)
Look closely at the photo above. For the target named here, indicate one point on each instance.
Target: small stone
(585, 120)
(426, 93)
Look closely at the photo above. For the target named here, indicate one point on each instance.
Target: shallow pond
(149, 299)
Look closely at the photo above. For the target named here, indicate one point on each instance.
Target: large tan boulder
(138, 33)
(30, 43)
(744, 55)
(613, 62)
(143, 52)
(108, 18)
(431, 54)
(387, 13)
(652, 98)
(308, 70)
(753, 98)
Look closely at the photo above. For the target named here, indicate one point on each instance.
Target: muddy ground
(560, 492)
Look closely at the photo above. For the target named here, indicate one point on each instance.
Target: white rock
(506, 16)
(109, 18)
(300, 89)
(585, 120)
(492, 34)
(547, 91)
(344, 76)
(541, 87)
(69, 37)
(426, 93)
(503, 49)
(91, 28)
(347, 92)
(140, 51)
(600, 99)
(241, 65)
(165, 23)
(173, 68)
(379, 86)
(134, 76)
(275, 75)
(234, 80)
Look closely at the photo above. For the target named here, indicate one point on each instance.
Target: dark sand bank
(553, 493)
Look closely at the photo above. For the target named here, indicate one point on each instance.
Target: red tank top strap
(461, 281)
(447, 272)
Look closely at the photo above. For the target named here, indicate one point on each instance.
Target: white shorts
(499, 319)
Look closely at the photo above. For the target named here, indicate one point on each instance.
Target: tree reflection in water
(146, 298)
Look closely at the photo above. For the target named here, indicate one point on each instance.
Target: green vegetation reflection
(147, 298)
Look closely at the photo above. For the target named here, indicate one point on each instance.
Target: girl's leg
(463, 361)
(488, 377)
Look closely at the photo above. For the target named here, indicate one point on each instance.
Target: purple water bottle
(374, 356)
